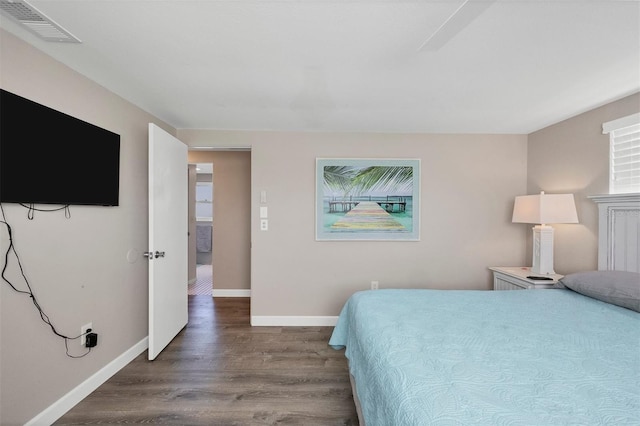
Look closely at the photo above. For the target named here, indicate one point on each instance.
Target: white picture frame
(367, 199)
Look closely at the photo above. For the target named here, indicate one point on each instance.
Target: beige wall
(573, 157)
(231, 216)
(467, 190)
(77, 267)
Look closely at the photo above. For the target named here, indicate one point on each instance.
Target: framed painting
(367, 199)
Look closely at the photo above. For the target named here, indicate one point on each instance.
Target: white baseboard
(77, 394)
(270, 321)
(231, 293)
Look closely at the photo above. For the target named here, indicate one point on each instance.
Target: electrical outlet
(83, 332)
(374, 285)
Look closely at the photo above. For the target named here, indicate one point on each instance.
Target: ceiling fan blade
(463, 16)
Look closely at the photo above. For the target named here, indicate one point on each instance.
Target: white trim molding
(631, 198)
(221, 292)
(77, 394)
(619, 123)
(293, 321)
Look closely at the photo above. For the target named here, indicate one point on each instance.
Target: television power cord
(32, 209)
(29, 292)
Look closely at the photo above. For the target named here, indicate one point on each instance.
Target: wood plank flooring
(221, 371)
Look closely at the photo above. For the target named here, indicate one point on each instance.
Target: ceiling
(505, 66)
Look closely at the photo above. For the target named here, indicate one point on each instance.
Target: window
(624, 154)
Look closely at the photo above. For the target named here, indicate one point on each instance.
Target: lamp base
(542, 250)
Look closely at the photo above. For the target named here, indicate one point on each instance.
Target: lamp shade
(545, 208)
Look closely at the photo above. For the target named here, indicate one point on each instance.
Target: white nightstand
(515, 278)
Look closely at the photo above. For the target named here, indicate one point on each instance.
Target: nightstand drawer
(499, 283)
(515, 278)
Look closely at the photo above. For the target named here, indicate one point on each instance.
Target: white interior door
(168, 238)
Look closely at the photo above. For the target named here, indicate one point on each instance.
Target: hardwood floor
(221, 371)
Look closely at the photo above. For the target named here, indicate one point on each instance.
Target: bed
(566, 356)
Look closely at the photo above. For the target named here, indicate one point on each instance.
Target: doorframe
(232, 292)
(191, 227)
(193, 216)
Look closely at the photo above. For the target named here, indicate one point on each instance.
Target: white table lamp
(542, 209)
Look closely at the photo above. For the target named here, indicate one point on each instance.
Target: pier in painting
(390, 203)
(368, 215)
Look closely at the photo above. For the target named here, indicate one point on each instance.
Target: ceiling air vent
(36, 22)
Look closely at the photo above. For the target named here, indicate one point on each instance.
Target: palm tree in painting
(339, 178)
(356, 180)
(384, 178)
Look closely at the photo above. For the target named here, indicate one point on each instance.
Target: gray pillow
(619, 288)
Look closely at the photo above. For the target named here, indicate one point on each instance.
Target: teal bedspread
(452, 357)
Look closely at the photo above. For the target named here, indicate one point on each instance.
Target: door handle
(159, 254)
(148, 255)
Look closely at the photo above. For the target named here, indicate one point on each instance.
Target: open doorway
(200, 213)
(203, 205)
(222, 184)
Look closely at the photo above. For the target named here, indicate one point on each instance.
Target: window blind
(624, 154)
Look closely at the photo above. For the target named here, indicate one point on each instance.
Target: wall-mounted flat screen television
(48, 157)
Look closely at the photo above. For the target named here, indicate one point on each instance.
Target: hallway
(204, 281)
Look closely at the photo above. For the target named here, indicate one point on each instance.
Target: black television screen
(48, 157)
